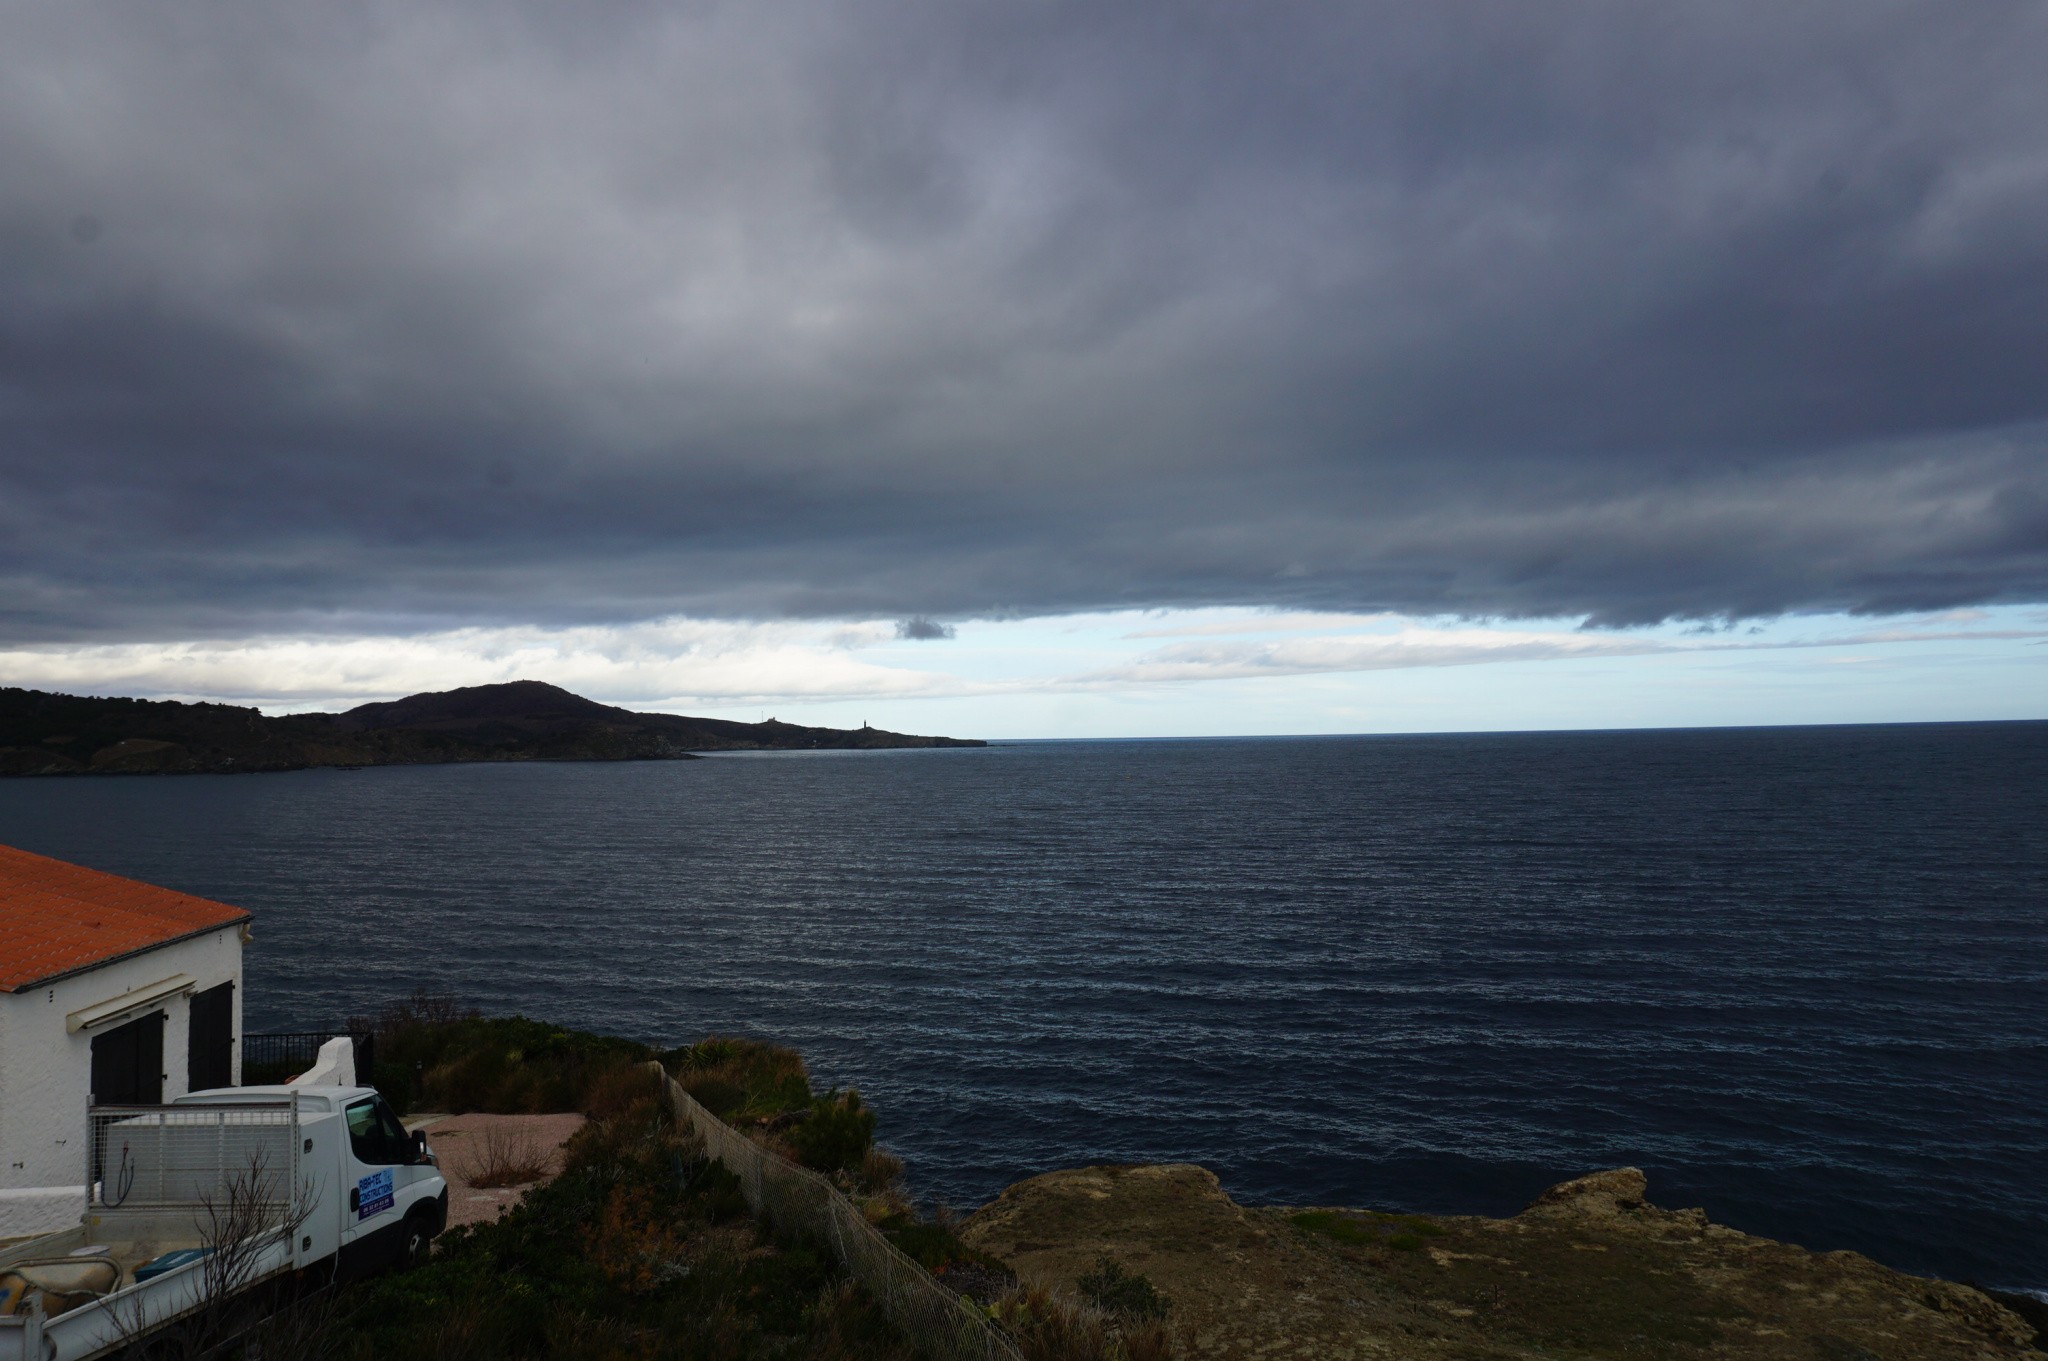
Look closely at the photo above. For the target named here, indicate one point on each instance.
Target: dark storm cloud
(363, 317)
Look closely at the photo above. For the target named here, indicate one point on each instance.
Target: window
(376, 1134)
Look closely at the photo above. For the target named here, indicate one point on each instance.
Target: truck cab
(389, 1198)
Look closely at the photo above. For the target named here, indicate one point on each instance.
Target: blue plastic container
(169, 1261)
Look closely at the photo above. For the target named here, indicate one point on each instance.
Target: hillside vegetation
(642, 1248)
(639, 1249)
(52, 734)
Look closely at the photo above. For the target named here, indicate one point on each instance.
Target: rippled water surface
(1799, 975)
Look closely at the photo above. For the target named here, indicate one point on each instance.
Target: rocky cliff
(1591, 1269)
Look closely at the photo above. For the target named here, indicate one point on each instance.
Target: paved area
(463, 1143)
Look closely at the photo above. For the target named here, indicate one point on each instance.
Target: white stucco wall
(46, 1072)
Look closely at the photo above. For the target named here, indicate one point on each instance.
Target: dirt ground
(463, 1144)
(1590, 1270)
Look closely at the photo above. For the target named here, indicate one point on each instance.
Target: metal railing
(797, 1201)
(279, 1056)
(184, 1157)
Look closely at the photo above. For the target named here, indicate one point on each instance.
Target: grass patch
(1368, 1228)
(1052, 1327)
(1342, 1227)
(1541, 1288)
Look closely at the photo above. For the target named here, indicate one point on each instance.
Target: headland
(52, 734)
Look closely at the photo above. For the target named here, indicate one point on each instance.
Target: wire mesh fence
(797, 1201)
(163, 1157)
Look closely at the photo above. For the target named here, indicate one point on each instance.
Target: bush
(1049, 1327)
(434, 1055)
(715, 1093)
(506, 1157)
(741, 1079)
(880, 1172)
(837, 1135)
(614, 1091)
(1115, 1291)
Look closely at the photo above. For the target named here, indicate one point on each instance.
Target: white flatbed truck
(324, 1184)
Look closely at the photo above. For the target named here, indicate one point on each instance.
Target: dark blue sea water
(1799, 975)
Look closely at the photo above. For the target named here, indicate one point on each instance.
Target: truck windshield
(375, 1134)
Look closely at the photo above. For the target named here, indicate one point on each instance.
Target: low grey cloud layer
(375, 317)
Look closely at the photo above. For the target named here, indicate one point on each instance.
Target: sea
(1797, 975)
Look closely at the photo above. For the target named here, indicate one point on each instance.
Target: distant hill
(50, 734)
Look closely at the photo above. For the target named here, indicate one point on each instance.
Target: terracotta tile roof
(57, 918)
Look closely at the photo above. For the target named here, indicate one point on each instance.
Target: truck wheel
(418, 1242)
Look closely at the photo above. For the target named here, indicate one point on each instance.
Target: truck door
(374, 1182)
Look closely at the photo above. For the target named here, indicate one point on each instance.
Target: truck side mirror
(419, 1144)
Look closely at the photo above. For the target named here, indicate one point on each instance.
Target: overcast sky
(414, 328)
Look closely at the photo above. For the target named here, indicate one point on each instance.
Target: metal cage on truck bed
(174, 1157)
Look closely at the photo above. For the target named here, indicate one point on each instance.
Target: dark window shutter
(128, 1062)
(210, 1041)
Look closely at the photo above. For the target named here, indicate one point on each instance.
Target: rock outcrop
(1591, 1269)
(1597, 1195)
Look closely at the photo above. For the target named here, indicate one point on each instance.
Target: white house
(111, 991)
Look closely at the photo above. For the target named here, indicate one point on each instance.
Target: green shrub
(1115, 1291)
(836, 1135)
(738, 1078)
(434, 1055)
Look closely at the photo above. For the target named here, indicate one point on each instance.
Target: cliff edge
(1591, 1269)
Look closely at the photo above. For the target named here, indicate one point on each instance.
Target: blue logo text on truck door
(374, 1193)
